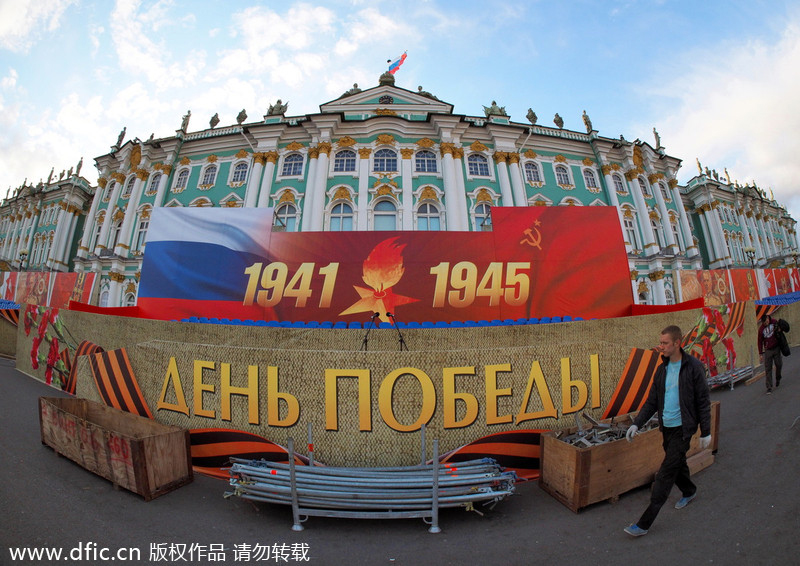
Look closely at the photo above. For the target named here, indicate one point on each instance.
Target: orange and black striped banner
(634, 384)
(516, 450)
(761, 310)
(212, 449)
(11, 315)
(85, 348)
(736, 314)
(117, 383)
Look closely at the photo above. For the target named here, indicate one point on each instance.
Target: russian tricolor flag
(395, 64)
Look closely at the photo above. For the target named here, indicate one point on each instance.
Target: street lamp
(750, 252)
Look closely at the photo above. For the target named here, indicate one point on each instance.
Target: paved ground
(747, 510)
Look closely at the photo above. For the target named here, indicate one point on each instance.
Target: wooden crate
(578, 477)
(133, 452)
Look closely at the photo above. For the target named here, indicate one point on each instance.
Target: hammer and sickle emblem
(530, 239)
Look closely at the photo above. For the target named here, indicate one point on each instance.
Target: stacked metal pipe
(372, 489)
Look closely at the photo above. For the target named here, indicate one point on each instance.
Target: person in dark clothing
(769, 350)
(680, 396)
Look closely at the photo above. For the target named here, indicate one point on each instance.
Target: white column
(461, 191)
(266, 178)
(517, 183)
(310, 197)
(691, 249)
(756, 241)
(669, 237)
(450, 188)
(725, 256)
(745, 229)
(26, 223)
(659, 292)
(408, 189)
(650, 246)
(711, 242)
(161, 191)
(115, 289)
(500, 160)
(102, 241)
(254, 181)
(55, 253)
(123, 247)
(88, 227)
(613, 199)
(363, 187)
(60, 259)
(320, 184)
(13, 227)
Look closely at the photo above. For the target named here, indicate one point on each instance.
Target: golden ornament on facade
(656, 275)
(385, 112)
(145, 215)
(483, 196)
(616, 166)
(272, 156)
(428, 194)
(407, 152)
(313, 152)
(627, 213)
(119, 214)
(136, 156)
(458, 153)
(185, 161)
(346, 141)
(294, 146)
(117, 277)
(530, 154)
(364, 152)
(384, 190)
(233, 203)
(118, 177)
(539, 202)
(560, 159)
(446, 148)
(588, 162)
(642, 287)
(605, 169)
(286, 196)
(342, 194)
(212, 158)
(425, 142)
(324, 147)
(634, 275)
(142, 174)
(513, 157)
(131, 288)
(102, 182)
(500, 157)
(260, 158)
(653, 215)
(638, 159)
(477, 146)
(631, 174)
(672, 183)
(652, 178)
(241, 154)
(385, 139)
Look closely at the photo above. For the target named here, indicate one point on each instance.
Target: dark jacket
(692, 392)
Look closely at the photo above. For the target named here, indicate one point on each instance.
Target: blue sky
(719, 80)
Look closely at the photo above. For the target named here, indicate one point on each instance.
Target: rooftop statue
(78, 169)
(699, 167)
(50, 176)
(241, 117)
(121, 137)
(558, 121)
(386, 78)
(277, 109)
(185, 121)
(214, 121)
(587, 122)
(425, 93)
(353, 90)
(658, 138)
(531, 116)
(494, 110)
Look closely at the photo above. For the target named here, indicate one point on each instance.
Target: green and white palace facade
(388, 158)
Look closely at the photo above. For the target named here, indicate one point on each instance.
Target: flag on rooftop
(395, 63)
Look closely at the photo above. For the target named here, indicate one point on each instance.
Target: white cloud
(737, 109)
(10, 80)
(22, 22)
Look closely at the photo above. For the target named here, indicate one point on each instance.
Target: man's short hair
(673, 331)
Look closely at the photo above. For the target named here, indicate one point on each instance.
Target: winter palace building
(387, 158)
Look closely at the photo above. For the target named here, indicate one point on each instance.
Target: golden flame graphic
(383, 267)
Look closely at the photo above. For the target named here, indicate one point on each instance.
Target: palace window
(286, 216)
(384, 215)
(478, 165)
(532, 172)
(659, 233)
(664, 192)
(428, 217)
(115, 233)
(344, 161)
(126, 192)
(141, 233)
(589, 179)
(483, 216)
(385, 160)
(643, 186)
(619, 184)
(631, 234)
(562, 175)
(130, 300)
(341, 218)
(154, 181)
(209, 175)
(293, 165)
(183, 180)
(239, 173)
(425, 162)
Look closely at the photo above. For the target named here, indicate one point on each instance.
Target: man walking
(769, 350)
(679, 394)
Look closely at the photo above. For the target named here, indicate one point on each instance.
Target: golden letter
(451, 398)
(492, 393)
(180, 405)
(385, 399)
(548, 409)
(251, 392)
(274, 399)
(567, 383)
(594, 361)
(332, 402)
(199, 387)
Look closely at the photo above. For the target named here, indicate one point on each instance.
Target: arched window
(183, 180)
(664, 192)
(152, 187)
(589, 179)
(675, 234)
(478, 165)
(344, 161)
(115, 232)
(239, 173)
(130, 300)
(631, 235)
(104, 299)
(209, 175)
(96, 237)
(425, 162)
(126, 192)
(658, 231)
(384, 215)
(293, 165)
(619, 184)
(385, 160)
(428, 217)
(341, 218)
(643, 186)
(286, 216)
(532, 172)
(141, 233)
(483, 216)
(670, 296)
(562, 175)
(109, 191)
